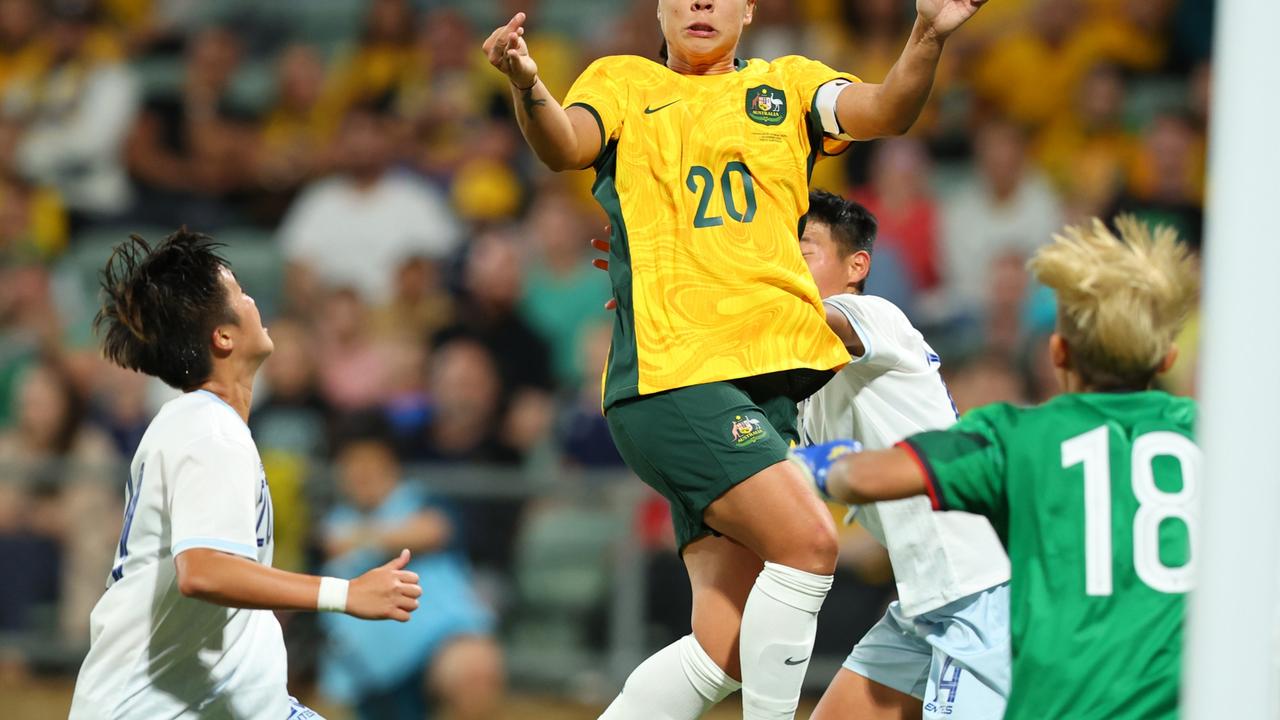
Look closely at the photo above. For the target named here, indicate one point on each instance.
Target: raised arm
(563, 139)
(871, 110)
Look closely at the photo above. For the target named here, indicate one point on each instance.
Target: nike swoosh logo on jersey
(793, 661)
(652, 110)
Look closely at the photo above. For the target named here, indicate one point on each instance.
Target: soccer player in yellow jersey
(702, 165)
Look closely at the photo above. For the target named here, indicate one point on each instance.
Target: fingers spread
(601, 245)
(601, 263)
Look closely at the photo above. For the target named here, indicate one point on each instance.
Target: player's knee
(825, 548)
(815, 549)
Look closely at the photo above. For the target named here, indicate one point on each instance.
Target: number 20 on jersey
(703, 183)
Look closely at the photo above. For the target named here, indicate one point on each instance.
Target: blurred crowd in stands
(428, 284)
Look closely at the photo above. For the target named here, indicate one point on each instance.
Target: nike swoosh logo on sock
(793, 661)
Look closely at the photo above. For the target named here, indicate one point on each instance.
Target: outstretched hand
(944, 16)
(506, 50)
(603, 263)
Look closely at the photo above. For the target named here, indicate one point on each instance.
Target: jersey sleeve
(818, 86)
(877, 323)
(602, 91)
(964, 466)
(215, 498)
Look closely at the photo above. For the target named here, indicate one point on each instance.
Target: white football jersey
(893, 390)
(196, 482)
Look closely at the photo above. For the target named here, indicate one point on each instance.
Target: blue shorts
(298, 711)
(955, 659)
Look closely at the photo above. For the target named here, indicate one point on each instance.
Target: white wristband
(333, 595)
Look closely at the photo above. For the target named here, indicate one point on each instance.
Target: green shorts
(693, 444)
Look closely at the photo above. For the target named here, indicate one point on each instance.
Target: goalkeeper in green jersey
(1094, 493)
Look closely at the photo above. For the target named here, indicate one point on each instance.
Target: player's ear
(1060, 356)
(858, 266)
(1170, 358)
(1059, 352)
(749, 12)
(223, 342)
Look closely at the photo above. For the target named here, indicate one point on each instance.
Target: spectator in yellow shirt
(1087, 151)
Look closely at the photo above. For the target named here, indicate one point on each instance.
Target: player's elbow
(193, 585)
(557, 162)
(194, 581)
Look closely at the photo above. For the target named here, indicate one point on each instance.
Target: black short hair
(853, 227)
(161, 304)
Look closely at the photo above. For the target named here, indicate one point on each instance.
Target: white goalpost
(1232, 659)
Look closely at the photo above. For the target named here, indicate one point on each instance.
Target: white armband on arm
(824, 104)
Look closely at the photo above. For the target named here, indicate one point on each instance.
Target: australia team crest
(766, 105)
(746, 431)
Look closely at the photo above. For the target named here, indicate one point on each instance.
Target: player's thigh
(693, 445)
(851, 695)
(774, 512)
(721, 575)
(777, 516)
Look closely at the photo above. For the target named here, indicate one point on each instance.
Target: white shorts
(955, 659)
(298, 711)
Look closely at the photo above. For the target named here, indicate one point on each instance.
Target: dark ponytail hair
(161, 305)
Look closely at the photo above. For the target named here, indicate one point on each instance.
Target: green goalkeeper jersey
(1094, 497)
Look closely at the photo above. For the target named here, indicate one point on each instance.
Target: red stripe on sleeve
(930, 482)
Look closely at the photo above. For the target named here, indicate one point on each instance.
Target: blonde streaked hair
(1121, 300)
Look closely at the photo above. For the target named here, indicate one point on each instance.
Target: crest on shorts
(766, 105)
(746, 430)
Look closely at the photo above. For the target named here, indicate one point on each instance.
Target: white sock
(679, 682)
(778, 627)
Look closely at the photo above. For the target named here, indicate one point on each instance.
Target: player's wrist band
(333, 595)
(526, 89)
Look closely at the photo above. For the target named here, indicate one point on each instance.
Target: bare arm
(871, 110)
(563, 139)
(843, 329)
(875, 475)
(387, 592)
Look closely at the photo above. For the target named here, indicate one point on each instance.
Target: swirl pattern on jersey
(705, 179)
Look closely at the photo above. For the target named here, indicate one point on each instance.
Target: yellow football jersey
(705, 179)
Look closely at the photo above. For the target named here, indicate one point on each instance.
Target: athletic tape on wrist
(333, 595)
